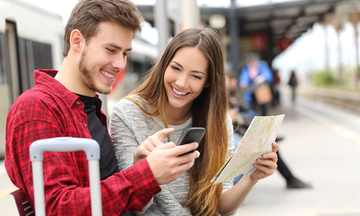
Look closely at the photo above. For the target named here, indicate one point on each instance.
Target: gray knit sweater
(129, 127)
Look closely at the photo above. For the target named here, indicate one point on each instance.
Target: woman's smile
(179, 94)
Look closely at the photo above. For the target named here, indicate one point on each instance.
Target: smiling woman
(176, 93)
(184, 80)
(186, 88)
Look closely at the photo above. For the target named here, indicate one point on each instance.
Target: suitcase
(66, 144)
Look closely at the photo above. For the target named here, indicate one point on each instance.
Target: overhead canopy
(275, 23)
(290, 19)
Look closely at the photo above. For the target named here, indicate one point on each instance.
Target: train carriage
(30, 38)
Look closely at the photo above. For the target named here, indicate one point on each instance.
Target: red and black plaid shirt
(50, 110)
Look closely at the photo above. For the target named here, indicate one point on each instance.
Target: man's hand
(166, 164)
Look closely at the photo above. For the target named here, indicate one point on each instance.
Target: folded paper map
(255, 142)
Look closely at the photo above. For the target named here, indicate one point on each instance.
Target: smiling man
(93, 65)
(65, 103)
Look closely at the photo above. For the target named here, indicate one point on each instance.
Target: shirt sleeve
(266, 72)
(231, 148)
(126, 140)
(66, 180)
(244, 79)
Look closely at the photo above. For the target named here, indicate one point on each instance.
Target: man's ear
(76, 40)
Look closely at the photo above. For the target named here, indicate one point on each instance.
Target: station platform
(321, 147)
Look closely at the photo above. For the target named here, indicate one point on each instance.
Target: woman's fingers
(266, 170)
(161, 134)
(270, 156)
(267, 163)
(145, 148)
(275, 146)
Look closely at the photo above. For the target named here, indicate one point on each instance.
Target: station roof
(276, 20)
(291, 18)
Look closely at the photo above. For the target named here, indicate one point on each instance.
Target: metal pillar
(326, 42)
(233, 26)
(190, 14)
(162, 25)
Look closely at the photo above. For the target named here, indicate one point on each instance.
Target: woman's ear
(207, 84)
(76, 40)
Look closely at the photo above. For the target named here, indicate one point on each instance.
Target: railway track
(345, 99)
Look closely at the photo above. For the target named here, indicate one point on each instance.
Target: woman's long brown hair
(208, 110)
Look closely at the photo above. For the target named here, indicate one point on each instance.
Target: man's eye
(110, 50)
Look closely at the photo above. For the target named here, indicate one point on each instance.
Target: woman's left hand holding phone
(145, 148)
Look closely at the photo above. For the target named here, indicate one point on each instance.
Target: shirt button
(78, 102)
(84, 124)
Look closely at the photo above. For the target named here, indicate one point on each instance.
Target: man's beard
(89, 81)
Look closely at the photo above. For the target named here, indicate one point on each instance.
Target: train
(32, 38)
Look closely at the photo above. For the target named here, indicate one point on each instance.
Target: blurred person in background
(241, 115)
(293, 82)
(186, 88)
(276, 88)
(241, 119)
(255, 78)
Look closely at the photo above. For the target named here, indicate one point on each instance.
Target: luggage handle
(66, 144)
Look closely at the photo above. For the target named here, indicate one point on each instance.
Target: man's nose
(119, 63)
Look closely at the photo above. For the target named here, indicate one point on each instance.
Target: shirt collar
(44, 78)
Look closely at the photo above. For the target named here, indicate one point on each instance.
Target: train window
(42, 55)
(3, 75)
(25, 65)
(13, 59)
(33, 55)
(5, 89)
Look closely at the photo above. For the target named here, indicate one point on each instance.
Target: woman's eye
(175, 68)
(197, 77)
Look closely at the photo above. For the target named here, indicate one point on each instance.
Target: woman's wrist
(252, 180)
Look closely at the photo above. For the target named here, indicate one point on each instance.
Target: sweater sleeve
(230, 131)
(129, 127)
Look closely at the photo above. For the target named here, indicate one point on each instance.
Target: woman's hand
(266, 165)
(233, 113)
(232, 199)
(144, 149)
